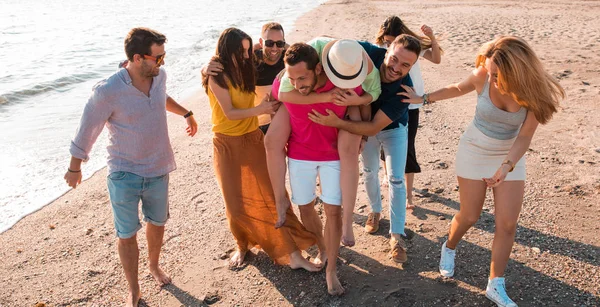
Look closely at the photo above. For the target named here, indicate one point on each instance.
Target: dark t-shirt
(266, 73)
(388, 102)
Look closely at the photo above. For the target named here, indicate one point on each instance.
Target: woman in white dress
(515, 94)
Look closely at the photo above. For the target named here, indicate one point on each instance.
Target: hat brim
(342, 83)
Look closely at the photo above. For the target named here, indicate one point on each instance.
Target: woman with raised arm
(515, 94)
(240, 160)
(431, 51)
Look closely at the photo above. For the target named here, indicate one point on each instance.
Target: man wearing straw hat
(312, 148)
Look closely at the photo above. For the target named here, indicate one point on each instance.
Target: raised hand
(428, 31)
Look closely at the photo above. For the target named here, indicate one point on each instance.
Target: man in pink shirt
(312, 151)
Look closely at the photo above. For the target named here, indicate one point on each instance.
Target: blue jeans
(126, 190)
(394, 143)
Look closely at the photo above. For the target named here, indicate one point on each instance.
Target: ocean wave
(61, 84)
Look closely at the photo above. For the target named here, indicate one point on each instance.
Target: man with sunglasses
(132, 104)
(268, 56)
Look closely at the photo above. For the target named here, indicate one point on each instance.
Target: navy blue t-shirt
(388, 102)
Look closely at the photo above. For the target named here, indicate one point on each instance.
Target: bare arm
(368, 128)
(524, 138)
(451, 91)
(516, 152)
(174, 107)
(434, 54)
(296, 98)
(232, 113)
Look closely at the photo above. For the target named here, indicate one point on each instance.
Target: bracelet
(425, 98)
(72, 171)
(188, 114)
(512, 165)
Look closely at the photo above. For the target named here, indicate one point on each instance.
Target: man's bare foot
(133, 299)
(409, 204)
(282, 207)
(348, 235)
(299, 262)
(334, 287)
(160, 276)
(321, 260)
(238, 259)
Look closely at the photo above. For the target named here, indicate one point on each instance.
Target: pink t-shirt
(310, 141)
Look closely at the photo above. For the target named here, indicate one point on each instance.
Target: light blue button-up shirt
(137, 125)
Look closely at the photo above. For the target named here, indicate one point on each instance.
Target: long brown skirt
(241, 170)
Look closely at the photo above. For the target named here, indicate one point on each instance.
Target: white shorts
(303, 180)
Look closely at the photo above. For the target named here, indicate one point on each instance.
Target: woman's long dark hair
(238, 71)
(393, 26)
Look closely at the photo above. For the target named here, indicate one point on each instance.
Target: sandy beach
(65, 254)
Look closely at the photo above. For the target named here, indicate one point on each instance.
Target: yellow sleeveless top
(240, 100)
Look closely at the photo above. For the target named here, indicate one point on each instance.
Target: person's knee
(396, 181)
(348, 145)
(333, 212)
(467, 219)
(131, 241)
(274, 142)
(506, 227)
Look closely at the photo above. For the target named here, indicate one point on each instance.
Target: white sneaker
(447, 261)
(496, 292)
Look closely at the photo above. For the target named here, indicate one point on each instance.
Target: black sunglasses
(269, 43)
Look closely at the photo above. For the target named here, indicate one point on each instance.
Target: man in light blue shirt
(132, 104)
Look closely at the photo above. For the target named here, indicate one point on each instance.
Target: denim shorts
(126, 190)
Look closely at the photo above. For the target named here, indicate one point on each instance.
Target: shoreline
(65, 253)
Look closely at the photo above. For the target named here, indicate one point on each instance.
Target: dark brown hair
(393, 26)
(139, 41)
(272, 26)
(301, 52)
(408, 42)
(237, 71)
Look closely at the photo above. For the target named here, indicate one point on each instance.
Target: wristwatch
(188, 114)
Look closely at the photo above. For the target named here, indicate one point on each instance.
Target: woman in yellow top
(240, 161)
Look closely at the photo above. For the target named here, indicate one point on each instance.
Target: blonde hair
(522, 76)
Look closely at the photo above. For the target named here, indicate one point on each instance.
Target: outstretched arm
(368, 128)
(451, 91)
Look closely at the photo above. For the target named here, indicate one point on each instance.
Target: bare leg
(508, 200)
(275, 141)
(154, 235)
(312, 222)
(333, 234)
(129, 256)
(348, 146)
(410, 177)
(472, 196)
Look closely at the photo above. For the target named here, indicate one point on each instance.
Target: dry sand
(65, 254)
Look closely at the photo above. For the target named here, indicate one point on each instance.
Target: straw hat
(345, 63)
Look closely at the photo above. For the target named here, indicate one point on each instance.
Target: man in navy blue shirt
(386, 129)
